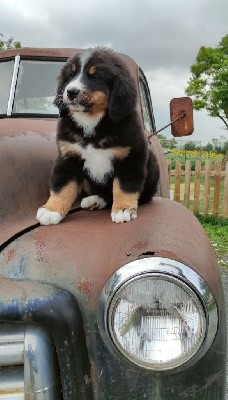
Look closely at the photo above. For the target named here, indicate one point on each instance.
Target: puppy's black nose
(72, 93)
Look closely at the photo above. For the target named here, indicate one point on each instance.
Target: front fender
(85, 249)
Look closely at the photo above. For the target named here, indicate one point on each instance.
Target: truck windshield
(34, 84)
(6, 73)
(36, 87)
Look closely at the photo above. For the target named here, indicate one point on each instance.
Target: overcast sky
(163, 36)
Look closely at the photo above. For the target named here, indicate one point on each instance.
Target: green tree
(220, 145)
(190, 145)
(9, 43)
(208, 147)
(167, 143)
(209, 81)
(161, 137)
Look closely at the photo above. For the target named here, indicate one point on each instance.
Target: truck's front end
(90, 309)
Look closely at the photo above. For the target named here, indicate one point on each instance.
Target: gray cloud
(163, 37)
(165, 33)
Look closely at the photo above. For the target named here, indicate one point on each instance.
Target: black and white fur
(103, 151)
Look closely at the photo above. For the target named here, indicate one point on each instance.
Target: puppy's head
(96, 82)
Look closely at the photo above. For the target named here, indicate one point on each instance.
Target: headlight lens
(156, 321)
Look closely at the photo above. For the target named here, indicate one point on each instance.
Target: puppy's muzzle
(72, 93)
(78, 97)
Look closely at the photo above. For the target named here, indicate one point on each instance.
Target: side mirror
(181, 116)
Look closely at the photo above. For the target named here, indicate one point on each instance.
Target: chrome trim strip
(13, 86)
(12, 354)
(163, 266)
(37, 377)
(11, 345)
(12, 383)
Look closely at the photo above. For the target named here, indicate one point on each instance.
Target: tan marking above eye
(92, 70)
(73, 67)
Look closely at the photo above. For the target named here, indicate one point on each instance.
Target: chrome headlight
(156, 312)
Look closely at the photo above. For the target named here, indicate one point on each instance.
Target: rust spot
(11, 391)
(40, 246)
(39, 242)
(9, 255)
(84, 287)
(141, 245)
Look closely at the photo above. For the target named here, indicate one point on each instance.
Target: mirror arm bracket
(183, 114)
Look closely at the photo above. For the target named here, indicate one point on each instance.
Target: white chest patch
(87, 122)
(97, 162)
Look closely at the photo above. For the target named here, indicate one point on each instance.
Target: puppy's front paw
(93, 202)
(46, 217)
(123, 215)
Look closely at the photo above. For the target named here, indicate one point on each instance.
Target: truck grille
(28, 365)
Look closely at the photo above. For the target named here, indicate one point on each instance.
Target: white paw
(93, 202)
(46, 217)
(123, 215)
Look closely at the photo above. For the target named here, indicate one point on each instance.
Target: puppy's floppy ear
(123, 96)
(58, 101)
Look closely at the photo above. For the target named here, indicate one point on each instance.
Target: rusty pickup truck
(89, 309)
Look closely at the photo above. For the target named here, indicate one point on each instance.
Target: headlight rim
(165, 277)
(173, 269)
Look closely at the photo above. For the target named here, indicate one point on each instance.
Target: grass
(217, 231)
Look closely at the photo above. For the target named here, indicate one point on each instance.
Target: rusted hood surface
(84, 250)
(27, 151)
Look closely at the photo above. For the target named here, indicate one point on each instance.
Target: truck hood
(26, 158)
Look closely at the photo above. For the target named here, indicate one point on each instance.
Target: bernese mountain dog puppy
(103, 150)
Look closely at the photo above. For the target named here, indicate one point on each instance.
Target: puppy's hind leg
(93, 202)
